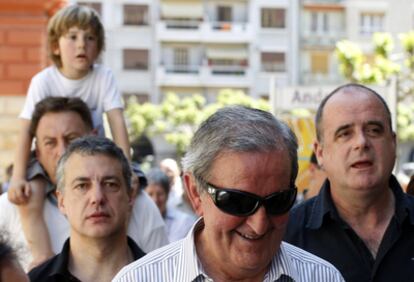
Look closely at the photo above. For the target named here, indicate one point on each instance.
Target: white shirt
(146, 226)
(97, 89)
(178, 223)
(179, 262)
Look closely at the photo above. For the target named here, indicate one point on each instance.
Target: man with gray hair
(94, 193)
(239, 172)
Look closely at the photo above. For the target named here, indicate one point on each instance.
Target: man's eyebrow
(375, 122)
(80, 179)
(342, 127)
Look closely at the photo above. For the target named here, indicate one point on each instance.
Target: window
(180, 57)
(319, 22)
(94, 5)
(371, 22)
(273, 18)
(135, 59)
(273, 62)
(319, 62)
(224, 14)
(135, 15)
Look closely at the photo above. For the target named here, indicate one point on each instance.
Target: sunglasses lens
(281, 202)
(235, 203)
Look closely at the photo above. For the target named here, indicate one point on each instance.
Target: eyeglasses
(240, 203)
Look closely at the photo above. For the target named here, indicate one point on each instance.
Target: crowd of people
(78, 209)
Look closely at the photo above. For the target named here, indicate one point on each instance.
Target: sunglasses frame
(213, 190)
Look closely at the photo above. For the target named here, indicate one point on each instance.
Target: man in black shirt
(94, 193)
(361, 221)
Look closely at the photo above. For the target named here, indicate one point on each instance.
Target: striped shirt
(178, 262)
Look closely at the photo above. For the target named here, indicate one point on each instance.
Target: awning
(182, 9)
(227, 53)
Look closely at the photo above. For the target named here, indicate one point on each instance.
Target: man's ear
(318, 149)
(192, 193)
(61, 203)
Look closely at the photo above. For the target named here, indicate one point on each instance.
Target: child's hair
(82, 17)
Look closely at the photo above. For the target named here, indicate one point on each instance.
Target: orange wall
(23, 41)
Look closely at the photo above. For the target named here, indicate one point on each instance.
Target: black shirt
(315, 226)
(56, 268)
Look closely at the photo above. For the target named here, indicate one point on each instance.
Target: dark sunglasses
(240, 203)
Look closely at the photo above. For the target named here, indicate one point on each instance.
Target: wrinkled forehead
(57, 124)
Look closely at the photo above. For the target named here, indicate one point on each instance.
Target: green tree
(357, 67)
(176, 118)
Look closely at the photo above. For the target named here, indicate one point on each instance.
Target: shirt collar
(323, 205)
(188, 264)
(61, 262)
(190, 268)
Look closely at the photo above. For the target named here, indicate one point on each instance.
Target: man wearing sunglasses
(239, 172)
(361, 221)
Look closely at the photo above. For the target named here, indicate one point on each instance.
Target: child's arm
(34, 225)
(119, 131)
(19, 190)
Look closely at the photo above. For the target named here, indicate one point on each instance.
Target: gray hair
(91, 146)
(350, 87)
(238, 129)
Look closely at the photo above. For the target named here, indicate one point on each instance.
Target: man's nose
(361, 141)
(97, 194)
(61, 148)
(259, 221)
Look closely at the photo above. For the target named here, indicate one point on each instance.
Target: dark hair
(157, 177)
(344, 88)
(57, 105)
(91, 146)
(7, 253)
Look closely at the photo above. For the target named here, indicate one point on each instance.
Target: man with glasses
(239, 172)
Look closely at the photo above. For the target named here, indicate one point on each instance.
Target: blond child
(75, 41)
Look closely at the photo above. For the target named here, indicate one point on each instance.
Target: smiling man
(361, 221)
(239, 172)
(94, 193)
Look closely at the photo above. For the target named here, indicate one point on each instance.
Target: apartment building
(324, 22)
(200, 46)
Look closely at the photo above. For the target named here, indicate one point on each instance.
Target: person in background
(178, 196)
(75, 40)
(317, 177)
(178, 223)
(94, 193)
(361, 221)
(10, 269)
(239, 171)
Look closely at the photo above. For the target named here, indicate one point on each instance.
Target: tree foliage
(380, 69)
(177, 118)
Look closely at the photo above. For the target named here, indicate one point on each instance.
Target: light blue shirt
(178, 262)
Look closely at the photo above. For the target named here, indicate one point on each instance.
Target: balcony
(179, 30)
(226, 32)
(178, 75)
(324, 39)
(204, 76)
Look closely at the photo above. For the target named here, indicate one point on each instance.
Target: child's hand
(19, 192)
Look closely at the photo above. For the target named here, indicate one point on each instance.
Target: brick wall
(23, 53)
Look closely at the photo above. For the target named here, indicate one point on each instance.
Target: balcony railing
(190, 69)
